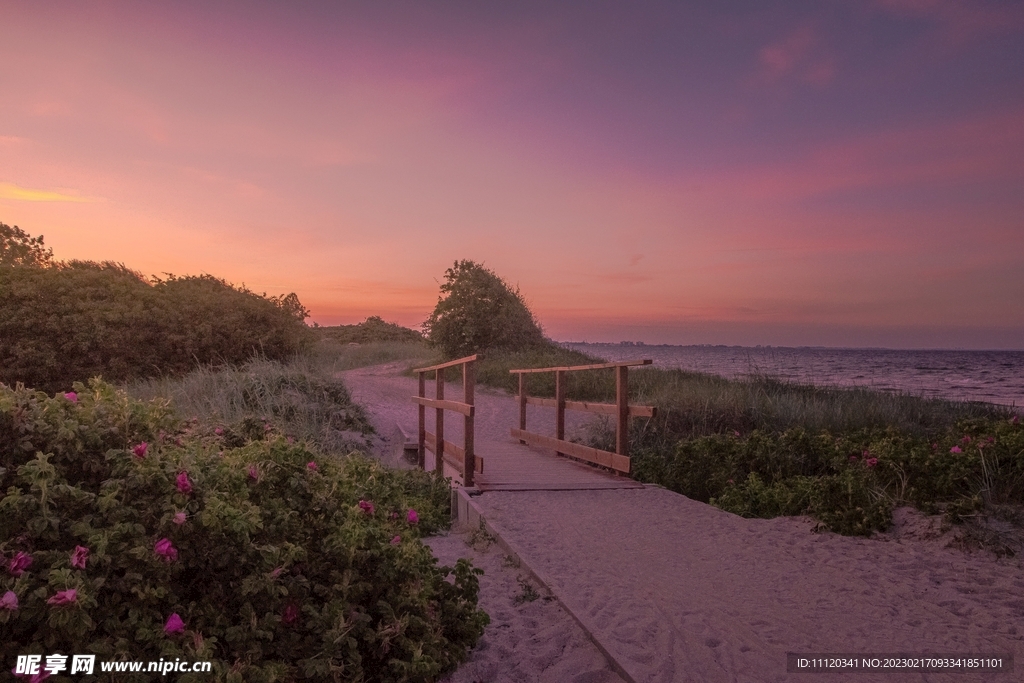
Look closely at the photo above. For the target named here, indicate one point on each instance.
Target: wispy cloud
(797, 55)
(26, 194)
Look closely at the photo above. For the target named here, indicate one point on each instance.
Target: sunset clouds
(846, 173)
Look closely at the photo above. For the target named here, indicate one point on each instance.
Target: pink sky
(842, 174)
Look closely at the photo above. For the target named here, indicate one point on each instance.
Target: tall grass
(302, 398)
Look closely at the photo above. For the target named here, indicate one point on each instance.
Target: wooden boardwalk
(511, 466)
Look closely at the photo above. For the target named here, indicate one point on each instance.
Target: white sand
(527, 640)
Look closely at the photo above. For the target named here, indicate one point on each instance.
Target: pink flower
(366, 506)
(871, 462)
(9, 601)
(955, 449)
(140, 450)
(311, 466)
(19, 563)
(412, 517)
(179, 518)
(735, 432)
(79, 557)
(290, 614)
(276, 572)
(219, 431)
(165, 549)
(966, 439)
(174, 624)
(184, 485)
(63, 598)
(71, 396)
(254, 473)
(396, 540)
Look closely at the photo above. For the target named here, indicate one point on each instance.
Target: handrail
(619, 460)
(466, 462)
(450, 364)
(599, 366)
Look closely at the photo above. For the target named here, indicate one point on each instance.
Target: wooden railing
(464, 460)
(619, 460)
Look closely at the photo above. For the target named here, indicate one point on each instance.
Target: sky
(833, 173)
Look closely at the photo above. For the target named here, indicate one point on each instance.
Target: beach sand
(676, 590)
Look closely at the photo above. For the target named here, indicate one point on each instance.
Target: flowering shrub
(851, 481)
(181, 553)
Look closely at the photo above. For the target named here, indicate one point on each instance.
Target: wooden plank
(421, 412)
(604, 458)
(454, 406)
(468, 394)
(439, 418)
(622, 403)
(560, 405)
(588, 407)
(523, 400)
(457, 463)
(457, 454)
(598, 366)
(442, 366)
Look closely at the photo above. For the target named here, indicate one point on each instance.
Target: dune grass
(302, 398)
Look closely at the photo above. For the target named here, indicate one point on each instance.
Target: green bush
(851, 481)
(478, 311)
(280, 563)
(77, 320)
(17, 248)
(373, 329)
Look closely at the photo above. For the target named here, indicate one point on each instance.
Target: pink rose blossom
(871, 462)
(290, 614)
(412, 517)
(366, 506)
(311, 466)
(955, 449)
(71, 396)
(140, 450)
(63, 598)
(79, 557)
(9, 601)
(165, 549)
(184, 485)
(19, 563)
(174, 624)
(179, 518)
(396, 540)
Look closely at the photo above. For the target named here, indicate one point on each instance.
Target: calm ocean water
(993, 376)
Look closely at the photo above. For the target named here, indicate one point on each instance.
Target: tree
(477, 310)
(18, 249)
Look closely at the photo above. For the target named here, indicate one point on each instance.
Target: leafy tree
(18, 249)
(478, 310)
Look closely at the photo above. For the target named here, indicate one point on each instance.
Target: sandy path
(528, 640)
(677, 590)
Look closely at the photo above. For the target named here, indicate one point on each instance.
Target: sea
(989, 376)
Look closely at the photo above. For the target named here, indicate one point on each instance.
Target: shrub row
(848, 481)
(128, 534)
(76, 320)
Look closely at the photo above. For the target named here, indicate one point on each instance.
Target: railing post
(622, 404)
(522, 403)
(560, 406)
(421, 450)
(439, 433)
(468, 385)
